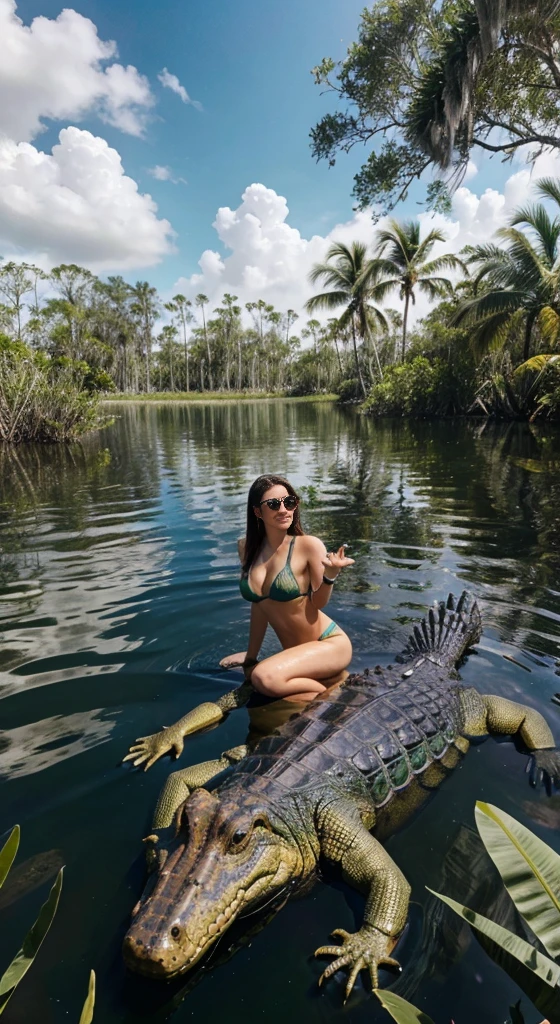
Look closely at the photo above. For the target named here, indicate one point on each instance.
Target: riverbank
(214, 396)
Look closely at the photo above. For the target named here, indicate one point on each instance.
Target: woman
(288, 578)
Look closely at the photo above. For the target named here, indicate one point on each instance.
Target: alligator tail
(448, 630)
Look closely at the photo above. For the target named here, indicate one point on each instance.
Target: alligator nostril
(175, 932)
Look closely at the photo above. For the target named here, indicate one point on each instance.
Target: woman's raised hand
(336, 560)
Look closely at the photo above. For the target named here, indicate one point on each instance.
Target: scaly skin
(314, 789)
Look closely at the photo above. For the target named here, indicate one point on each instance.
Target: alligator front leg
(180, 784)
(175, 791)
(368, 866)
(171, 738)
(487, 713)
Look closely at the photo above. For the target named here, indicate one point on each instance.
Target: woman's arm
(257, 630)
(323, 566)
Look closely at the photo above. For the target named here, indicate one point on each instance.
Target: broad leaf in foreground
(530, 871)
(400, 1010)
(87, 1011)
(7, 853)
(31, 945)
(540, 965)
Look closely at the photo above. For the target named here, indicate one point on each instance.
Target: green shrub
(349, 390)
(422, 388)
(44, 399)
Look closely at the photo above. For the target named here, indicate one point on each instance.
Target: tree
(182, 309)
(348, 272)
(201, 301)
(168, 343)
(15, 282)
(433, 80)
(146, 307)
(521, 281)
(402, 256)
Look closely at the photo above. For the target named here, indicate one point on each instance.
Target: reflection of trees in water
(31, 748)
(520, 467)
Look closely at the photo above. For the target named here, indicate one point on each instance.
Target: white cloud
(53, 69)
(267, 258)
(164, 173)
(77, 205)
(170, 81)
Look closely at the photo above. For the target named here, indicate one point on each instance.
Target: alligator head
(229, 854)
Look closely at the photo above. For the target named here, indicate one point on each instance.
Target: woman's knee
(265, 681)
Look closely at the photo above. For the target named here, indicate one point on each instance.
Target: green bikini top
(283, 588)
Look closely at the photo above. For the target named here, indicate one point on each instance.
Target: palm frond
(326, 300)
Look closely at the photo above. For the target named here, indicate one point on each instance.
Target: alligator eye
(238, 837)
(175, 932)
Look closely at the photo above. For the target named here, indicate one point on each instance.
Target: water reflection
(118, 596)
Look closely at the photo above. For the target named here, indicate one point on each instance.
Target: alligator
(231, 833)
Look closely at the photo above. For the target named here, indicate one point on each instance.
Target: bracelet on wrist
(328, 581)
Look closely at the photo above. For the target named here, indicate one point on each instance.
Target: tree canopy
(429, 81)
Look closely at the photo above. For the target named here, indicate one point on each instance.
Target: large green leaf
(530, 871)
(87, 1012)
(400, 1010)
(31, 945)
(8, 852)
(539, 964)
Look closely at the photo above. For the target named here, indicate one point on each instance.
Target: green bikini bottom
(331, 628)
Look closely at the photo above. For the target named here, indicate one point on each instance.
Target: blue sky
(248, 64)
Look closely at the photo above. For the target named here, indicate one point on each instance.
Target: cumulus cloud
(267, 258)
(59, 69)
(77, 205)
(170, 81)
(164, 173)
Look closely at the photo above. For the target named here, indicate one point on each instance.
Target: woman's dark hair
(255, 533)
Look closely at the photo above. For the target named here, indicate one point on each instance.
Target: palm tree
(181, 307)
(522, 279)
(402, 257)
(348, 272)
(201, 301)
(145, 307)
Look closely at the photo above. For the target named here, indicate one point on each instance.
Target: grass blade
(8, 852)
(400, 1010)
(541, 965)
(87, 1011)
(530, 871)
(31, 945)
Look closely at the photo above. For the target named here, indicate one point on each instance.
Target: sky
(170, 143)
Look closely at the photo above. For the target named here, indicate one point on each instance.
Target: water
(118, 596)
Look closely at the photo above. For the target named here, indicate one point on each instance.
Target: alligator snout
(154, 958)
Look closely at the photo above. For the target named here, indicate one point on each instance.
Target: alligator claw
(149, 748)
(544, 767)
(366, 949)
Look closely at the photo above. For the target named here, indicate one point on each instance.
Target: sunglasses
(289, 502)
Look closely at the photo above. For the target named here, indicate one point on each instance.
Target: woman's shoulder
(311, 545)
(241, 548)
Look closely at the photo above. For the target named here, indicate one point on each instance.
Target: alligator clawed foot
(544, 766)
(366, 949)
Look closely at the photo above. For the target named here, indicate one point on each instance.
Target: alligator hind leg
(171, 738)
(508, 718)
(486, 713)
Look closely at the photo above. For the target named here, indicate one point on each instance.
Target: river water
(118, 596)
